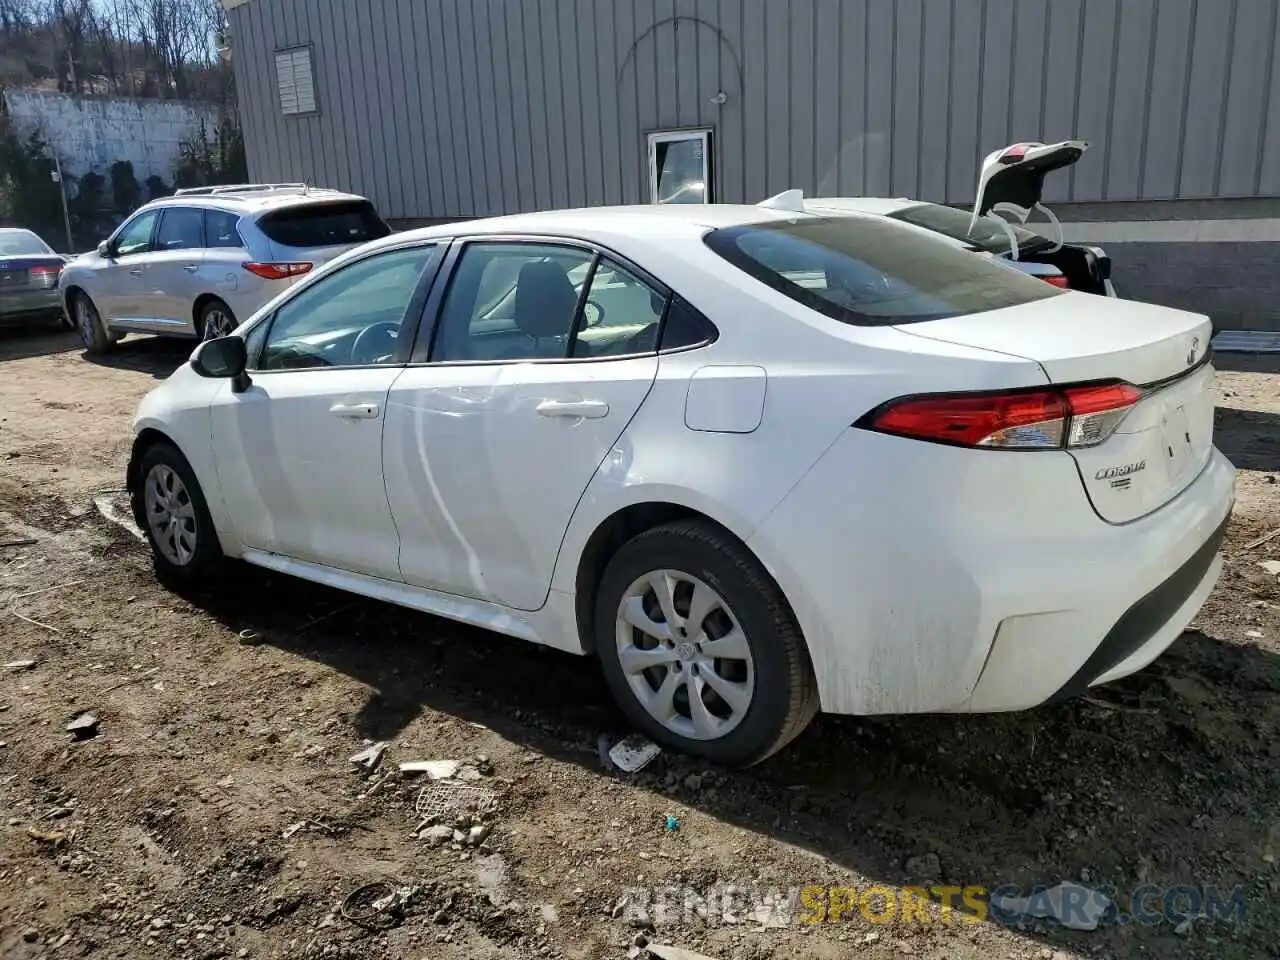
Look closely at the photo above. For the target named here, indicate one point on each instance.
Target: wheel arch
(69, 293)
(615, 530)
(147, 438)
(197, 308)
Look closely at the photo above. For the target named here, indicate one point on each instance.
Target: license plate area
(12, 278)
(1179, 447)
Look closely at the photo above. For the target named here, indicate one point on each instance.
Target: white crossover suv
(757, 462)
(197, 263)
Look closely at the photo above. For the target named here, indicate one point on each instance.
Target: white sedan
(758, 462)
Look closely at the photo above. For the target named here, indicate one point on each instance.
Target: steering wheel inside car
(376, 343)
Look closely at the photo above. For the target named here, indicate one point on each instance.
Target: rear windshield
(324, 224)
(21, 243)
(871, 272)
(987, 234)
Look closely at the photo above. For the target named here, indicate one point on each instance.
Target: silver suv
(198, 263)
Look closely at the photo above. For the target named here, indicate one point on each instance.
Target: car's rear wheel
(176, 517)
(699, 646)
(216, 320)
(93, 332)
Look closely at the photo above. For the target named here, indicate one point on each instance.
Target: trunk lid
(36, 272)
(1015, 174)
(1166, 438)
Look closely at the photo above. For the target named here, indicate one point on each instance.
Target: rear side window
(871, 272)
(220, 229)
(324, 224)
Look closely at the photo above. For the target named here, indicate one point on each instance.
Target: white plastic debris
(1271, 566)
(116, 508)
(665, 952)
(633, 753)
(435, 769)
(1073, 906)
(370, 756)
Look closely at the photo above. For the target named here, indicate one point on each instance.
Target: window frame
(166, 211)
(292, 50)
(425, 342)
(113, 245)
(410, 322)
(204, 226)
(674, 135)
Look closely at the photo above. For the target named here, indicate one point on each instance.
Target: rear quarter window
(324, 224)
(872, 272)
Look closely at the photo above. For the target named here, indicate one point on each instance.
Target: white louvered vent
(295, 80)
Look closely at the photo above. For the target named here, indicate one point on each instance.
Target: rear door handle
(355, 411)
(577, 409)
(135, 272)
(191, 267)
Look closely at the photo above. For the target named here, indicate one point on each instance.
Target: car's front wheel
(93, 332)
(176, 518)
(699, 645)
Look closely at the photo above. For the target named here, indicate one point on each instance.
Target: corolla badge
(1114, 473)
(1191, 357)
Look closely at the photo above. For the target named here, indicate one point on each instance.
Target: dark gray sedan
(29, 271)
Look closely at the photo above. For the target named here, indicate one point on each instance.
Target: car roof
(642, 221)
(880, 206)
(255, 201)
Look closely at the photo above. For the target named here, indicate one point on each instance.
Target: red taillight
(1017, 420)
(277, 271)
(45, 276)
(1058, 281)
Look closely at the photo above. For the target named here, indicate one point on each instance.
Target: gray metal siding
(448, 108)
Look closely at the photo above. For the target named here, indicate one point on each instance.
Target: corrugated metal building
(461, 108)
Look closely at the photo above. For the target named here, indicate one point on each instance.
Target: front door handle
(191, 267)
(355, 411)
(135, 272)
(577, 409)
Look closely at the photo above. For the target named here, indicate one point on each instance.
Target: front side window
(620, 315)
(136, 236)
(181, 228)
(872, 272)
(511, 301)
(351, 317)
(220, 229)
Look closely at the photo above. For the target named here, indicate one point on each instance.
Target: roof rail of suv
(241, 188)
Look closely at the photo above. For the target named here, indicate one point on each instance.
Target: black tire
(206, 561)
(207, 312)
(93, 332)
(785, 697)
(65, 321)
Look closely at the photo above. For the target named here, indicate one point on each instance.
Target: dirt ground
(216, 812)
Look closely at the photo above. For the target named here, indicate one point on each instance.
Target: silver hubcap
(684, 655)
(217, 323)
(85, 320)
(171, 516)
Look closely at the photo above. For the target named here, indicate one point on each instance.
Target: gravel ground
(216, 813)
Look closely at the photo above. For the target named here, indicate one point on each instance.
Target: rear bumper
(25, 303)
(952, 588)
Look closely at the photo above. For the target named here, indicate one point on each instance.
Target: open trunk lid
(1166, 438)
(1015, 174)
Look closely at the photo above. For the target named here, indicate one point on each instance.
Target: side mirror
(223, 358)
(104, 248)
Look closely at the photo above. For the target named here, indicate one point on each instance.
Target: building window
(680, 166)
(295, 81)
